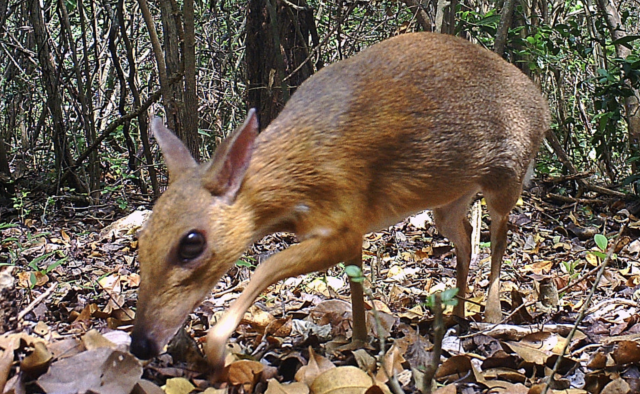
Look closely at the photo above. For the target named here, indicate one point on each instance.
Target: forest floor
(68, 285)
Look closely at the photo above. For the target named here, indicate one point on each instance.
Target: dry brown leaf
(211, 390)
(393, 360)
(626, 352)
(257, 318)
(617, 386)
(342, 380)
(66, 348)
(6, 359)
(454, 368)
(529, 354)
(598, 361)
(365, 361)
(94, 340)
(86, 313)
(244, 373)
(279, 328)
(448, 389)
(24, 279)
(146, 387)
(102, 371)
(276, 387)
(41, 328)
(414, 313)
(317, 365)
(65, 236)
(178, 386)
(38, 361)
(539, 267)
(500, 386)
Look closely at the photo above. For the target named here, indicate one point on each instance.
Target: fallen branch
(37, 301)
(568, 177)
(574, 200)
(516, 333)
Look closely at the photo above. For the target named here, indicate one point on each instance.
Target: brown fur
(418, 121)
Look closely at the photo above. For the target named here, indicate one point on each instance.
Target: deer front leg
(313, 254)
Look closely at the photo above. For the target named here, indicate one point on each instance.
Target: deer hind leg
(451, 220)
(500, 202)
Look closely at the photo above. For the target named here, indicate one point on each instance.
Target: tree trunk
(503, 27)
(63, 158)
(277, 43)
(421, 15)
(179, 99)
(631, 104)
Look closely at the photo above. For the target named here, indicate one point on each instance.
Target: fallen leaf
(276, 387)
(244, 373)
(146, 387)
(178, 386)
(317, 365)
(343, 380)
(102, 371)
(38, 361)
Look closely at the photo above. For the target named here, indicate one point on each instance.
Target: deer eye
(191, 245)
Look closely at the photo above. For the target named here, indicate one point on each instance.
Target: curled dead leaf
(245, 373)
(317, 365)
(38, 361)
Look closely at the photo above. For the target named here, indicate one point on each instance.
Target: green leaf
(625, 41)
(449, 294)
(354, 272)
(34, 263)
(490, 20)
(242, 263)
(53, 265)
(601, 241)
(7, 225)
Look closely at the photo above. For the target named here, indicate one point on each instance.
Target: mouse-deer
(419, 121)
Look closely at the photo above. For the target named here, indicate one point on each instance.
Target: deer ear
(231, 160)
(176, 156)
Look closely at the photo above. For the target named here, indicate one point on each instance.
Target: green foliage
(354, 273)
(447, 297)
(20, 204)
(248, 262)
(601, 242)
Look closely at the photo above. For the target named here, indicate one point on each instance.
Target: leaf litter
(69, 287)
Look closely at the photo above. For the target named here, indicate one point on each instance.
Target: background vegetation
(81, 78)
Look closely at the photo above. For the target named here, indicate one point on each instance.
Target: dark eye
(191, 246)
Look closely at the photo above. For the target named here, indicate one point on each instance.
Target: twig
(393, 382)
(583, 310)
(580, 280)
(574, 200)
(37, 301)
(569, 177)
(518, 332)
(438, 334)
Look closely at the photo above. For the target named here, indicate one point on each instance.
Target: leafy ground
(68, 289)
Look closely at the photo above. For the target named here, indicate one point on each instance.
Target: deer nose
(142, 347)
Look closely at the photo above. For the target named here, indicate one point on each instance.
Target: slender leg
(357, 305)
(313, 254)
(452, 222)
(499, 204)
(493, 313)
